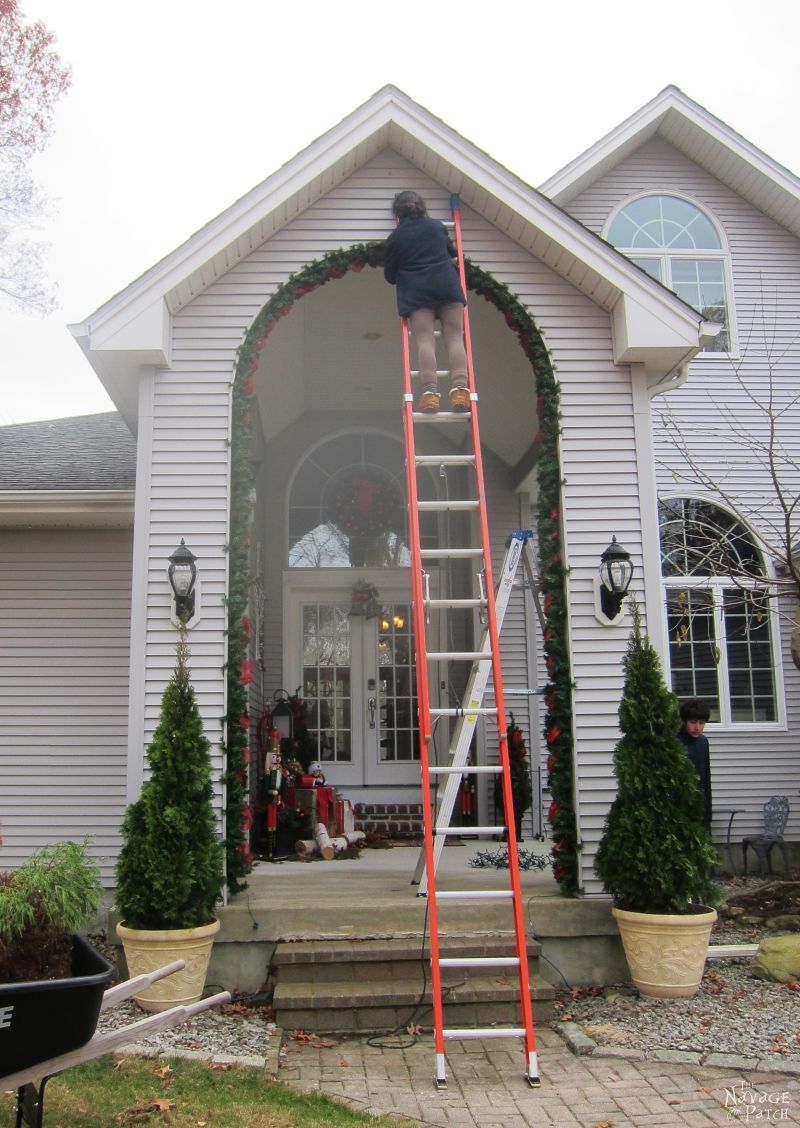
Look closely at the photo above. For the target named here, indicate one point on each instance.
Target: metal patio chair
(776, 815)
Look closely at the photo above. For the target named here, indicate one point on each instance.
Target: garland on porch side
(558, 720)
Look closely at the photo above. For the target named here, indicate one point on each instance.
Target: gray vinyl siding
(748, 763)
(190, 456)
(64, 654)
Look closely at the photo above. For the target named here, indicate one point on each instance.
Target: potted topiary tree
(170, 869)
(51, 979)
(656, 858)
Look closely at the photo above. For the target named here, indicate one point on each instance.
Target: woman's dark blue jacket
(419, 261)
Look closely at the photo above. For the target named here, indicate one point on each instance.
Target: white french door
(356, 674)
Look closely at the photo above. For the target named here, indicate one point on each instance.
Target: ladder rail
(423, 699)
(497, 675)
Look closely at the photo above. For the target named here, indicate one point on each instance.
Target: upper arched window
(718, 612)
(675, 242)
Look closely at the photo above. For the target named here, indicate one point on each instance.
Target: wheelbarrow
(49, 1026)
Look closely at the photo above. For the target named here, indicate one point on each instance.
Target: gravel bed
(733, 1013)
(238, 1030)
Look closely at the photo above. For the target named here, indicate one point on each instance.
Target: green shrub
(170, 868)
(655, 855)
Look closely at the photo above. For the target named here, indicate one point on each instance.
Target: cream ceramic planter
(666, 954)
(147, 950)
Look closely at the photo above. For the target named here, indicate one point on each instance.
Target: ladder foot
(440, 1082)
(534, 1082)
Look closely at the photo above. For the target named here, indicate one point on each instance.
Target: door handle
(371, 705)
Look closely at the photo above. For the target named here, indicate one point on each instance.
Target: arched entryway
(337, 365)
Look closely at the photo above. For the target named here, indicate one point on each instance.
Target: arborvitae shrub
(170, 869)
(655, 855)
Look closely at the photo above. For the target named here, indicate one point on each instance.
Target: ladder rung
(438, 506)
(485, 711)
(467, 769)
(441, 416)
(482, 712)
(454, 603)
(450, 553)
(469, 831)
(458, 656)
(480, 961)
(439, 372)
(474, 894)
(485, 1032)
(445, 459)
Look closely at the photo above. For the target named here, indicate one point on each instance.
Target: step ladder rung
(439, 372)
(450, 553)
(453, 604)
(458, 656)
(468, 831)
(445, 459)
(465, 1033)
(474, 895)
(480, 961)
(467, 769)
(441, 506)
(482, 711)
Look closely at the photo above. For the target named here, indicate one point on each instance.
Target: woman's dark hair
(695, 710)
(408, 203)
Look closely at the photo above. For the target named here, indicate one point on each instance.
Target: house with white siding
(647, 290)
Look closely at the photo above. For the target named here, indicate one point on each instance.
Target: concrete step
(381, 985)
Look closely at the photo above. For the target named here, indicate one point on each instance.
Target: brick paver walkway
(486, 1086)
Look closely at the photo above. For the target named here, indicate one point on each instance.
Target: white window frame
(716, 585)
(663, 255)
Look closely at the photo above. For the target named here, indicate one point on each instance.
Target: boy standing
(694, 717)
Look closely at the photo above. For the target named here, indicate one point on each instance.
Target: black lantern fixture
(616, 572)
(282, 717)
(182, 574)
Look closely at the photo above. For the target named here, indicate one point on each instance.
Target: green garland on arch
(558, 720)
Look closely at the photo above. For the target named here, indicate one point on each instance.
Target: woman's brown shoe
(459, 399)
(429, 402)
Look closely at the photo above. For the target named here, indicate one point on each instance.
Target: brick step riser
(374, 971)
(369, 1020)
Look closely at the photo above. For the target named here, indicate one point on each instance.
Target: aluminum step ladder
(467, 423)
(518, 552)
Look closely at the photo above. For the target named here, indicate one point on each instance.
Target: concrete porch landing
(372, 898)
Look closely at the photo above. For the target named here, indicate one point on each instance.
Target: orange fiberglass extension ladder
(437, 819)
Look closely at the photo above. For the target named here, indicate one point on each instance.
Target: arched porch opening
(340, 373)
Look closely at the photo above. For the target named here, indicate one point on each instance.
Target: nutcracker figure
(273, 781)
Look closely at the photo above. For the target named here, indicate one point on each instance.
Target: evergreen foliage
(655, 855)
(53, 895)
(170, 869)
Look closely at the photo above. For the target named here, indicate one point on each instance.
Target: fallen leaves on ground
(307, 1037)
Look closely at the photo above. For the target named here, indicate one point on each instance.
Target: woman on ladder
(419, 261)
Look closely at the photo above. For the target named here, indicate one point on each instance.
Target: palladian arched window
(675, 242)
(718, 613)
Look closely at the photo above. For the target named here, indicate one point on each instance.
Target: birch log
(323, 840)
(304, 846)
(342, 842)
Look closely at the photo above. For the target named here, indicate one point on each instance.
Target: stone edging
(584, 1046)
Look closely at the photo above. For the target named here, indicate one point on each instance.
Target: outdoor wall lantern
(182, 573)
(282, 717)
(616, 572)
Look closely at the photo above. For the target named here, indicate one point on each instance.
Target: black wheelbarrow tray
(43, 1019)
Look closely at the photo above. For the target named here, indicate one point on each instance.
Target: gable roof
(132, 329)
(700, 136)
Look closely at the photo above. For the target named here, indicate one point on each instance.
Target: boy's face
(694, 728)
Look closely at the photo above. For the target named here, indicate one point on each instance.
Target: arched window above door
(677, 243)
(347, 505)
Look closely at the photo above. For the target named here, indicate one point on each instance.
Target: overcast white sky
(178, 107)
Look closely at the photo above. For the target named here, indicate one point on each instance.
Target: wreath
(363, 505)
